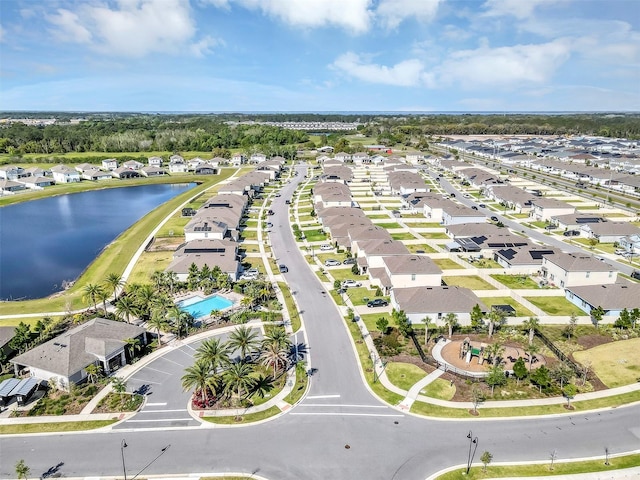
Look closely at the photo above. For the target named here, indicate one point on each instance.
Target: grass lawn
(605, 247)
(254, 262)
(249, 234)
(404, 375)
(515, 281)
(345, 274)
(616, 363)
(519, 215)
(148, 263)
(54, 427)
(423, 225)
(446, 263)
(543, 470)
(473, 282)
(403, 236)
(370, 320)
(389, 225)
(298, 389)
(539, 224)
(249, 418)
(434, 235)
(322, 276)
(556, 305)
(378, 216)
(520, 310)
(305, 218)
(114, 258)
(360, 296)
(291, 306)
(439, 388)
(486, 263)
(327, 256)
(314, 235)
(425, 248)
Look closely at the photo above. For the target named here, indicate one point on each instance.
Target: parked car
(288, 202)
(494, 218)
(283, 268)
(350, 261)
(277, 194)
(482, 205)
(635, 274)
(351, 284)
(452, 195)
(420, 251)
(620, 251)
(331, 262)
(326, 247)
(269, 224)
(466, 195)
(571, 233)
(377, 302)
(270, 212)
(551, 226)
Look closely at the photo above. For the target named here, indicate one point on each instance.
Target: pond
(45, 243)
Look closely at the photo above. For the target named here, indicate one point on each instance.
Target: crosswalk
(330, 405)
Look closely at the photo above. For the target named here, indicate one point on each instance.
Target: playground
(474, 356)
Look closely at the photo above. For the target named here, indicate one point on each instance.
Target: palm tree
(92, 292)
(22, 470)
(126, 307)
(244, 339)
(199, 377)
(494, 317)
(495, 351)
(144, 296)
(213, 353)
(531, 349)
(158, 279)
(427, 325)
(238, 378)
(133, 344)
(451, 321)
(263, 385)
(531, 325)
(114, 282)
(277, 336)
(93, 371)
(159, 323)
(274, 355)
(103, 295)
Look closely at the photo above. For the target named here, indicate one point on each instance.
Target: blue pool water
(200, 307)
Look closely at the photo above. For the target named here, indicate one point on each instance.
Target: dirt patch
(590, 341)
(451, 354)
(165, 244)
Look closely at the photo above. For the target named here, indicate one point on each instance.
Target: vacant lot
(446, 263)
(556, 305)
(473, 282)
(615, 363)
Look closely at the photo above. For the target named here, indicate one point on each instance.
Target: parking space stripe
(171, 361)
(144, 381)
(159, 371)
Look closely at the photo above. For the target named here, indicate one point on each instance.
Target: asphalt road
(311, 440)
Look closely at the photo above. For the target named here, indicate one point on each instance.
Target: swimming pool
(201, 307)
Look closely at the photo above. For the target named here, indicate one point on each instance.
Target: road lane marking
(323, 396)
(159, 371)
(337, 414)
(340, 405)
(183, 419)
(167, 360)
(145, 381)
(169, 410)
(156, 404)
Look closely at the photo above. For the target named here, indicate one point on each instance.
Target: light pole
(123, 445)
(472, 441)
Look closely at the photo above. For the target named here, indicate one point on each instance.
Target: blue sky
(320, 55)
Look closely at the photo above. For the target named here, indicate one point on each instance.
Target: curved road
(310, 441)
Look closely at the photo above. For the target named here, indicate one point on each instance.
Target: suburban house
(177, 164)
(10, 186)
(371, 252)
(257, 158)
(338, 173)
(609, 232)
(152, 171)
(11, 172)
(523, 259)
(37, 183)
(237, 159)
(575, 220)
(83, 167)
(64, 174)
(360, 157)
(205, 226)
(630, 243)
(433, 208)
(478, 177)
(124, 172)
(414, 158)
(454, 214)
(513, 197)
(404, 183)
(6, 334)
(210, 252)
(577, 269)
(358, 235)
(133, 165)
(467, 230)
(64, 359)
(329, 194)
(545, 208)
(406, 271)
(612, 298)
(110, 164)
(205, 169)
(435, 302)
(95, 175)
(155, 161)
(342, 157)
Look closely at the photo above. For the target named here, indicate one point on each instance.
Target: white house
(257, 158)
(110, 164)
(404, 271)
(435, 303)
(577, 269)
(545, 208)
(11, 172)
(155, 161)
(133, 165)
(612, 298)
(177, 164)
(64, 174)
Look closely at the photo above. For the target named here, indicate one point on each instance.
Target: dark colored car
(571, 233)
(288, 202)
(349, 261)
(283, 268)
(494, 218)
(270, 212)
(473, 207)
(635, 274)
(377, 302)
(482, 205)
(453, 195)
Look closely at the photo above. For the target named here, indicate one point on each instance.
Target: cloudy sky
(320, 55)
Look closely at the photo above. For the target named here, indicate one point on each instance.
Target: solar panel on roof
(7, 385)
(25, 387)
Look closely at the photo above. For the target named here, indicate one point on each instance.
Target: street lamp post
(472, 441)
(124, 445)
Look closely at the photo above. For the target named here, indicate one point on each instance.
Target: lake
(44, 243)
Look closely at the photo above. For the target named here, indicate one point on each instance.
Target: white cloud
(504, 66)
(352, 15)
(392, 12)
(408, 73)
(131, 28)
(517, 8)
(204, 46)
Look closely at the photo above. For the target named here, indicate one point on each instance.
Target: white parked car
(326, 247)
(332, 263)
(351, 284)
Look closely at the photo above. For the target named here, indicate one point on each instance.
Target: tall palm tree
(495, 351)
(531, 324)
(92, 292)
(427, 325)
(238, 378)
(103, 295)
(93, 371)
(114, 282)
(159, 323)
(531, 349)
(199, 377)
(126, 307)
(451, 321)
(244, 339)
(213, 353)
(494, 317)
(275, 356)
(277, 336)
(133, 344)
(263, 385)
(144, 296)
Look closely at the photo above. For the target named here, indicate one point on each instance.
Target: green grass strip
(18, 429)
(242, 419)
(294, 315)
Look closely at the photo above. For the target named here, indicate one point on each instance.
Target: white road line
(156, 404)
(145, 381)
(171, 361)
(157, 411)
(189, 346)
(182, 351)
(323, 396)
(335, 414)
(159, 371)
(333, 405)
(183, 419)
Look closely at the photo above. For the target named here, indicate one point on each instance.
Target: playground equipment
(468, 351)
